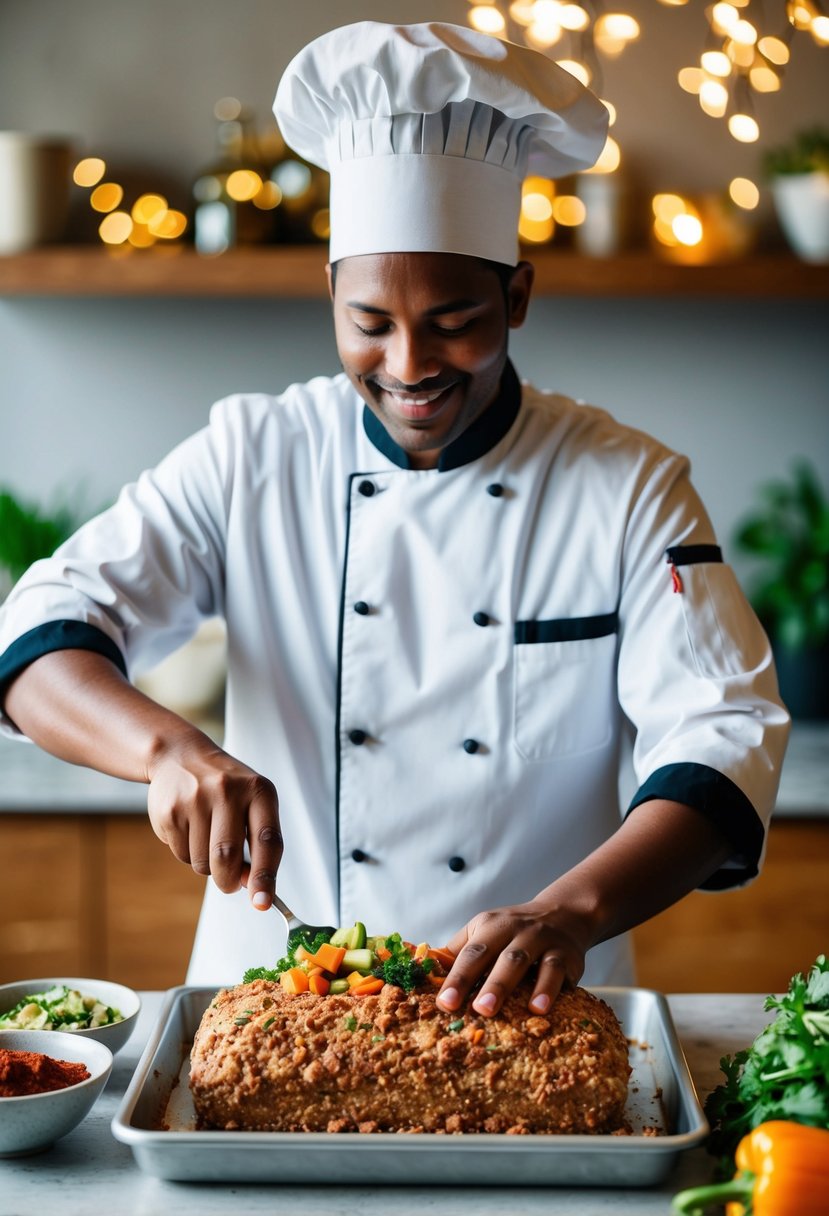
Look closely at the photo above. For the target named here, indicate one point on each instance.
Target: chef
(452, 600)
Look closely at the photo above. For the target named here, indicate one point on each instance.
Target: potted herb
(27, 533)
(788, 534)
(799, 175)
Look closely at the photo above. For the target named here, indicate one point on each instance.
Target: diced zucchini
(340, 937)
(338, 986)
(358, 960)
(353, 937)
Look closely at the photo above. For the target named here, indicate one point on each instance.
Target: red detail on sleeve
(676, 580)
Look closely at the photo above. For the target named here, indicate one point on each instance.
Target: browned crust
(266, 1060)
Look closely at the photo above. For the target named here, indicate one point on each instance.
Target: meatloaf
(264, 1059)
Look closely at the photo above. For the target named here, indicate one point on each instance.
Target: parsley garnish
(785, 1072)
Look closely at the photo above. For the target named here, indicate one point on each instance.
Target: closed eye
(371, 333)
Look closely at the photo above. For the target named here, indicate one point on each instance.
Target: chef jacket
(438, 668)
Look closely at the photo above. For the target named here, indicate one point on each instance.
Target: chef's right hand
(205, 805)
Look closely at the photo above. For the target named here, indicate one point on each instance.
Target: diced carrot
(421, 951)
(477, 1035)
(302, 955)
(444, 957)
(329, 957)
(355, 977)
(294, 981)
(435, 980)
(368, 987)
(410, 946)
(319, 985)
(382, 953)
(315, 971)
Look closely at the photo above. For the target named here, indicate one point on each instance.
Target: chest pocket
(564, 685)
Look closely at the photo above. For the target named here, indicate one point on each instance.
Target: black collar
(476, 440)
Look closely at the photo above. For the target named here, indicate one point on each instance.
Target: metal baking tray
(157, 1120)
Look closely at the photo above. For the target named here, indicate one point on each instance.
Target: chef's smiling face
(423, 339)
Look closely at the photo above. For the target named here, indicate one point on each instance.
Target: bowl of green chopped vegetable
(94, 1009)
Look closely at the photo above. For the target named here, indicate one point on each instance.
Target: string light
(738, 58)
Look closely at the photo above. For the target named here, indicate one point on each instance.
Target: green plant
(27, 532)
(808, 152)
(789, 534)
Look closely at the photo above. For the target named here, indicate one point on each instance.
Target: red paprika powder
(32, 1072)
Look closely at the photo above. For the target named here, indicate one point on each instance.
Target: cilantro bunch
(785, 1072)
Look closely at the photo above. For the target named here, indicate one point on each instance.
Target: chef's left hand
(499, 947)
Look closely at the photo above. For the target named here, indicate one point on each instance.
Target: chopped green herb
(454, 1026)
(378, 1038)
(365, 1025)
(269, 1022)
(241, 1021)
(350, 1023)
(248, 1013)
(492, 1047)
(585, 1022)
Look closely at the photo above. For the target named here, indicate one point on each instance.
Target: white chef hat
(428, 131)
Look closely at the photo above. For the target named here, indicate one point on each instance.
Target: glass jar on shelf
(303, 189)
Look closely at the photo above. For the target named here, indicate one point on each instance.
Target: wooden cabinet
(100, 895)
(94, 895)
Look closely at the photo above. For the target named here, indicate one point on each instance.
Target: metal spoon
(298, 931)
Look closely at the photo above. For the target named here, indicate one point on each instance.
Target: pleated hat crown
(428, 131)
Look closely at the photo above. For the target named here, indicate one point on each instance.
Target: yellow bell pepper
(782, 1170)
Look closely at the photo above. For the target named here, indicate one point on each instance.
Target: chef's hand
(499, 947)
(205, 805)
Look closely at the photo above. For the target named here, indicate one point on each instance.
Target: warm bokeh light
(611, 110)
(243, 184)
(610, 158)
(268, 197)
(487, 19)
(724, 17)
(764, 79)
(667, 207)
(691, 79)
(106, 197)
(744, 193)
(820, 30)
(321, 224)
(580, 70)
(89, 171)
(774, 49)
(168, 224)
(740, 53)
(141, 237)
(744, 128)
(569, 211)
(573, 17)
(713, 98)
(744, 33)
(535, 222)
(115, 228)
(620, 27)
(687, 229)
(716, 63)
(145, 208)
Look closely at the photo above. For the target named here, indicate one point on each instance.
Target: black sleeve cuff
(55, 635)
(724, 803)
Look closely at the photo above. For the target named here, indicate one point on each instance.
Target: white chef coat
(437, 668)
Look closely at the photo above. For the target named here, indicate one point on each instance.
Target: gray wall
(92, 391)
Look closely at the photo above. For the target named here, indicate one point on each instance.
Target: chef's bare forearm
(77, 705)
(203, 803)
(660, 853)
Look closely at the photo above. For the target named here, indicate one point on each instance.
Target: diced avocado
(358, 960)
(338, 986)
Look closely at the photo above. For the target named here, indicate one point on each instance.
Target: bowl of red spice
(48, 1084)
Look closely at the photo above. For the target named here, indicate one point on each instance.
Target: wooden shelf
(296, 272)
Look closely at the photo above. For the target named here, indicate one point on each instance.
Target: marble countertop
(88, 1170)
(32, 780)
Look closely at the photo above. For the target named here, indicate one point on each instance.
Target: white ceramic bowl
(117, 996)
(33, 1122)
